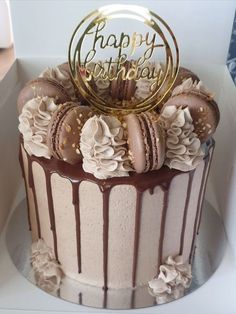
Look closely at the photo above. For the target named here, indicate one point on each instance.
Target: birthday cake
(115, 183)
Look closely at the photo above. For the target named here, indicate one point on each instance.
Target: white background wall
(202, 28)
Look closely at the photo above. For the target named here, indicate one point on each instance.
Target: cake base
(209, 252)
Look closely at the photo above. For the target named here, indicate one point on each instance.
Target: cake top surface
(121, 104)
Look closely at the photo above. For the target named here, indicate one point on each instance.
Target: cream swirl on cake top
(143, 89)
(191, 86)
(183, 147)
(34, 120)
(144, 86)
(62, 76)
(174, 277)
(48, 272)
(103, 148)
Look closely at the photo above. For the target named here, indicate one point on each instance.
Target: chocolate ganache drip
(75, 200)
(190, 181)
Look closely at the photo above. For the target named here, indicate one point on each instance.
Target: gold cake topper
(98, 57)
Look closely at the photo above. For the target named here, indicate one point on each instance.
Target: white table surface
(17, 295)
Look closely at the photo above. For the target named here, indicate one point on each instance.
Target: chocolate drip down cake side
(115, 156)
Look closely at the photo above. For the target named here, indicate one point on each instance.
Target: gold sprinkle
(80, 115)
(68, 128)
(208, 125)
(78, 121)
(73, 145)
(209, 132)
(62, 146)
(77, 151)
(204, 128)
(201, 109)
(64, 141)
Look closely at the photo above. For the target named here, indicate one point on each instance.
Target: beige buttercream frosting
(61, 76)
(103, 148)
(143, 89)
(34, 120)
(48, 272)
(144, 86)
(102, 86)
(183, 147)
(173, 278)
(189, 86)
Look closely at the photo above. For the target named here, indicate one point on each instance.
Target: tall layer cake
(115, 156)
(114, 232)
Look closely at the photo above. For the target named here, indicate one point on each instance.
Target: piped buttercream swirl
(61, 76)
(189, 86)
(34, 120)
(143, 89)
(183, 147)
(103, 148)
(144, 86)
(172, 281)
(48, 272)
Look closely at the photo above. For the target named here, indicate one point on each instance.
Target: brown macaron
(146, 141)
(64, 131)
(203, 109)
(123, 89)
(41, 87)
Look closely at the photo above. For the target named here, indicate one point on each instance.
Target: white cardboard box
(42, 30)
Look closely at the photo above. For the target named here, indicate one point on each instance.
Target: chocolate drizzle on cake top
(32, 186)
(190, 181)
(106, 195)
(26, 188)
(51, 210)
(165, 188)
(75, 200)
(136, 234)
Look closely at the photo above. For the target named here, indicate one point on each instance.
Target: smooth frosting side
(103, 148)
(62, 77)
(33, 124)
(183, 147)
(48, 272)
(189, 86)
(174, 277)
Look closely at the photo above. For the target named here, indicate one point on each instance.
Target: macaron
(64, 131)
(146, 141)
(123, 89)
(203, 109)
(41, 87)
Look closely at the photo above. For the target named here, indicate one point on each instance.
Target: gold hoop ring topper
(147, 43)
